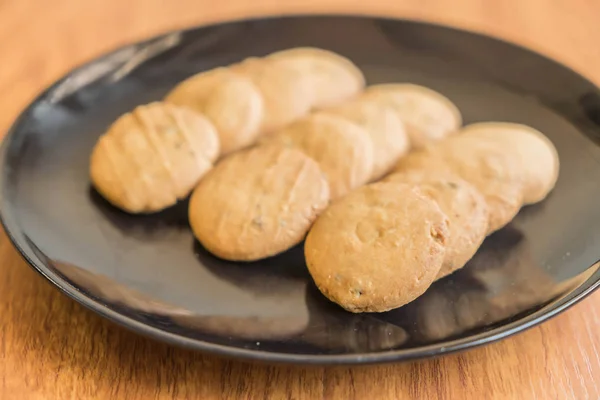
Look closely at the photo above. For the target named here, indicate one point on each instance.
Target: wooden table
(52, 348)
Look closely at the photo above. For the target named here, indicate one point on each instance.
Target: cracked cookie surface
(153, 156)
(257, 203)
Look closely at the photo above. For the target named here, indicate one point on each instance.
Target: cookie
(334, 78)
(257, 203)
(492, 171)
(538, 158)
(428, 115)
(465, 207)
(342, 149)
(378, 248)
(193, 91)
(231, 102)
(286, 92)
(386, 129)
(153, 156)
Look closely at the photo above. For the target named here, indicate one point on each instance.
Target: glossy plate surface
(149, 274)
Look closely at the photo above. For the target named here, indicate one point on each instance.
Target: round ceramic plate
(149, 274)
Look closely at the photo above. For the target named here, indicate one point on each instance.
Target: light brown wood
(52, 348)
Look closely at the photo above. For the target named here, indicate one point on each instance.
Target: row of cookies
(155, 155)
(258, 96)
(259, 202)
(384, 244)
(372, 131)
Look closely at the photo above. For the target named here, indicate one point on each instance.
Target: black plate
(149, 274)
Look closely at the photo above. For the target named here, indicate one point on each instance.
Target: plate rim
(19, 241)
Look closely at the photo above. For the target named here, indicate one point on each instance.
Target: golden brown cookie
(193, 91)
(465, 207)
(153, 156)
(343, 150)
(334, 78)
(257, 203)
(491, 170)
(231, 102)
(428, 115)
(378, 248)
(386, 129)
(538, 158)
(286, 92)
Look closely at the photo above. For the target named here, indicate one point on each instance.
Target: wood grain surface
(53, 348)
